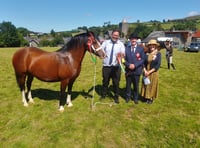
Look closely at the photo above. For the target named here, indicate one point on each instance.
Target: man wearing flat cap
(134, 60)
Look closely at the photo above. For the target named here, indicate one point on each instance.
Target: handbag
(146, 80)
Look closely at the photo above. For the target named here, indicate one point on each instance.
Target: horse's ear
(87, 31)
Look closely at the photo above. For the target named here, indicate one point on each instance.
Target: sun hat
(153, 41)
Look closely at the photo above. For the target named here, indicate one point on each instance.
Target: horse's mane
(75, 42)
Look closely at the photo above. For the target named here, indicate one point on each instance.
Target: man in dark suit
(134, 60)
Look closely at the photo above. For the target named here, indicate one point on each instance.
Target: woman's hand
(146, 73)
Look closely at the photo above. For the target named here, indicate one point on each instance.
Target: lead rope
(93, 92)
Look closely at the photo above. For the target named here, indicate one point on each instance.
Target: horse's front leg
(62, 102)
(69, 102)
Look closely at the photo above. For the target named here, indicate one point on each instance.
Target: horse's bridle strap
(96, 49)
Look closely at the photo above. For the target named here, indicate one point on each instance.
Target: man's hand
(131, 66)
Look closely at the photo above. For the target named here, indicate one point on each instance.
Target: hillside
(169, 23)
(195, 17)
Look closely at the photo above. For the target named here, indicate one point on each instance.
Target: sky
(66, 15)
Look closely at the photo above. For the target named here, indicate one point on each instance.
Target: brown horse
(62, 66)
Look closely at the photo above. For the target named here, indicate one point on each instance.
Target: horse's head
(94, 46)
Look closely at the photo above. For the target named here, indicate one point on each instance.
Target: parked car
(193, 47)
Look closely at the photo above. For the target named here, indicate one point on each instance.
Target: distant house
(33, 43)
(196, 36)
(180, 38)
(154, 35)
(33, 40)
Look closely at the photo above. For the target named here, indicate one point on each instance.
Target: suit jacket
(137, 58)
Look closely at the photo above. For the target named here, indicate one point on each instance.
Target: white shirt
(107, 47)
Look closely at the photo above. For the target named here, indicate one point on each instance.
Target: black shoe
(136, 101)
(149, 101)
(144, 100)
(127, 100)
(116, 100)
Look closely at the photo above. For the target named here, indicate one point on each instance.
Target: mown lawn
(173, 120)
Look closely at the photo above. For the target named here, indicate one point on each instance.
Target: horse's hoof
(26, 104)
(70, 105)
(31, 101)
(61, 109)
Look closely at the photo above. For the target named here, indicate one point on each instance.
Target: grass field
(173, 120)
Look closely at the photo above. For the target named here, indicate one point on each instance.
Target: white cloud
(192, 13)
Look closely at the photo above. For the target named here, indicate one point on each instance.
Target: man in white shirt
(111, 68)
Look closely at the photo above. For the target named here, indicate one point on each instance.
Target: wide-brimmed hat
(153, 42)
(133, 36)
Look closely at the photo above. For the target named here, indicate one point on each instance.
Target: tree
(142, 30)
(23, 31)
(9, 36)
(58, 40)
(164, 21)
(53, 33)
(185, 25)
(44, 43)
(157, 26)
(82, 28)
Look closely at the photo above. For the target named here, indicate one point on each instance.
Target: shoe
(136, 101)
(116, 100)
(144, 100)
(149, 101)
(127, 100)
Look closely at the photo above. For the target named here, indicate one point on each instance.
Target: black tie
(111, 54)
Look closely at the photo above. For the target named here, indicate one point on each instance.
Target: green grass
(173, 120)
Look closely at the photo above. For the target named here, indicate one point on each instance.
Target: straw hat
(154, 42)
